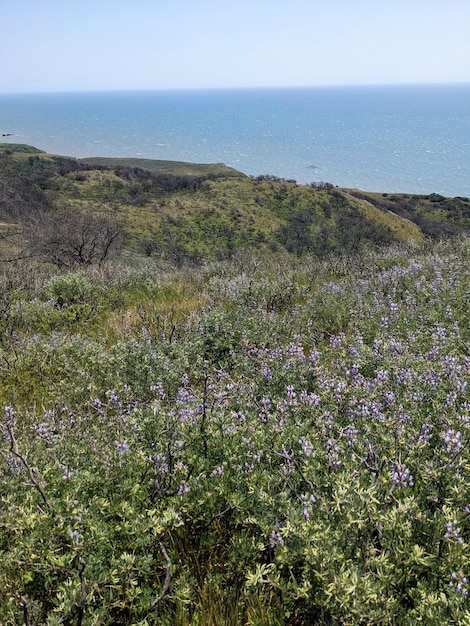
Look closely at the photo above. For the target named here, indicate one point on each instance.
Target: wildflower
(75, 536)
(336, 341)
(402, 477)
(122, 447)
(306, 446)
(183, 488)
(425, 434)
(291, 395)
(459, 583)
(351, 434)
(9, 417)
(453, 532)
(309, 500)
(114, 398)
(158, 389)
(276, 539)
(452, 441)
(332, 453)
(161, 464)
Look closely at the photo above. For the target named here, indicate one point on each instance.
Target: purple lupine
(75, 536)
(122, 447)
(311, 400)
(425, 433)
(458, 582)
(452, 441)
(115, 399)
(275, 538)
(351, 433)
(46, 432)
(291, 395)
(453, 532)
(332, 453)
(336, 341)
(308, 500)
(183, 488)
(306, 446)
(158, 389)
(9, 417)
(402, 477)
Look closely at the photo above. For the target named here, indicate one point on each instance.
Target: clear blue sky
(71, 45)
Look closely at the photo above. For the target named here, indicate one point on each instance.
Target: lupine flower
(351, 433)
(276, 539)
(336, 341)
(452, 441)
(458, 582)
(402, 477)
(183, 488)
(161, 464)
(291, 395)
(306, 446)
(122, 447)
(453, 532)
(332, 453)
(311, 400)
(45, 431)
(425, 434)
(9, 417)
(158, 389)
(75, 536)
(309, 500)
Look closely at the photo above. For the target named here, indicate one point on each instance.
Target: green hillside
(186, 212)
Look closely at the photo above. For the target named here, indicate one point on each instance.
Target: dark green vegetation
(435, 215)
(267, 429)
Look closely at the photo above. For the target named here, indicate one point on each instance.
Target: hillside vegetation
(185, 213)
(267, 429)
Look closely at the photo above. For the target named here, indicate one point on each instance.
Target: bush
(296, 455)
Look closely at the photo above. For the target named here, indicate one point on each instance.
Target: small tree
(73, 238)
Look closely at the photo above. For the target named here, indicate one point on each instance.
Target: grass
(19, 149)
(179, 168)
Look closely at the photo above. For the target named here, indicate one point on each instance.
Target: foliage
(184, 212)
(266, 440)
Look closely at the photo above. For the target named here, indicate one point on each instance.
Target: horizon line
(235, 88)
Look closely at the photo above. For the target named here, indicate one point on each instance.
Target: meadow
(265, 441)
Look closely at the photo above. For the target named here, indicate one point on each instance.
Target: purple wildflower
(453, 532)
(402, 477)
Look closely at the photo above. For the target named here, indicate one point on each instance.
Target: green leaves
(295, 453)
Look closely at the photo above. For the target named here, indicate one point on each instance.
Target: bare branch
(167, 581)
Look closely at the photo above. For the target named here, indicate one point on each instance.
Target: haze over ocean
(412, 139)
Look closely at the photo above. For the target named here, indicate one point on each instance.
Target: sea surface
(412, 139)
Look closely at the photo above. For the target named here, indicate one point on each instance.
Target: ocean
(413, 139)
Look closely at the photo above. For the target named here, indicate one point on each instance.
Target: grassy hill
(186, 212)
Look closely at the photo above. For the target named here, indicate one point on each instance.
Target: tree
(73, 238)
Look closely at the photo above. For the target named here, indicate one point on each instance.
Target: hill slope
(185, 211)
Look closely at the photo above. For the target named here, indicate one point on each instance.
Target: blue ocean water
(397, 138)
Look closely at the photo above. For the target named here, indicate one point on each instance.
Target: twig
(14, 450)
(167, 581)
(24, 606)
(81, 608)
(231, 507)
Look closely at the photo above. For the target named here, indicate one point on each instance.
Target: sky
(87, 45)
